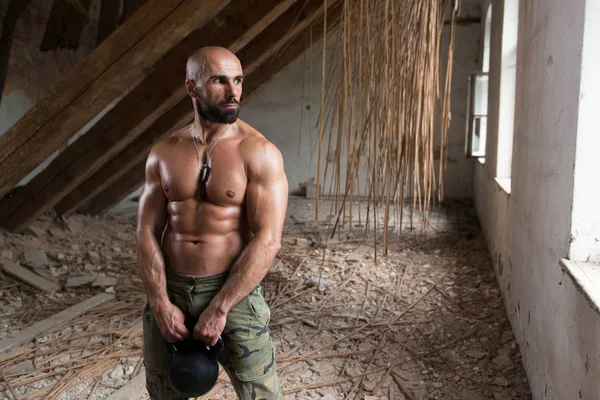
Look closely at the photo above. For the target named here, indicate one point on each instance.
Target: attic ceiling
(154, 38)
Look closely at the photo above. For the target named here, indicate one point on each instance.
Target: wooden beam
(131, 179)
(116, 192)
(139, 149)
(290, 24)
(284, 54)
(13, 13)
(134, 114)
(18, 338)
(110, 70)
(124, 162)
(27, 276)
(108, 20)
(64, 26)
(130, 7)
(77, 4)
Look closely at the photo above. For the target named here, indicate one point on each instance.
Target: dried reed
(383, 116)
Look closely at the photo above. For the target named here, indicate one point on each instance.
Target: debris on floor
(426, 321)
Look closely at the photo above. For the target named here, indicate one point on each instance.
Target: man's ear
(190, 86)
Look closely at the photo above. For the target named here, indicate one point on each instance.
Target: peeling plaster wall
(528, 231)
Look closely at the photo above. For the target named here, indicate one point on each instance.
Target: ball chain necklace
(205, 168)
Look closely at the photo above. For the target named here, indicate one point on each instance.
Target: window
(508, 81)
(478, 98)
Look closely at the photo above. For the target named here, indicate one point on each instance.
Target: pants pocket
(259, 381)
(258, 307)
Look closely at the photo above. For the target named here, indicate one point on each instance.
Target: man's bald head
(214, 82)
(203, 60)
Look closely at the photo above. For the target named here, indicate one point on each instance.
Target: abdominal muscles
(203, 238)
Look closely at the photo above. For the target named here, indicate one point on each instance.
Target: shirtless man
(210, 221)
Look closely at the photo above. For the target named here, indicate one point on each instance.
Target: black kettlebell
(193, 367)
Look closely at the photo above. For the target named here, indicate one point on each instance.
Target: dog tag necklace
(205, 168)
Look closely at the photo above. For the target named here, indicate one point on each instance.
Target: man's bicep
(152, 208)
(267, 196)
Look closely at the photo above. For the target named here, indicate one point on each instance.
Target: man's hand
(210, 325)
(171, 322)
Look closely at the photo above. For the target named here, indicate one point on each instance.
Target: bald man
(210, 221)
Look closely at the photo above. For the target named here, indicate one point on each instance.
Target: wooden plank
(84, 94)
(108, 20)
(45, 190)
(83, 75)
(64, 26)
(132, 179)
(138, 150)
(132, 116)
(18, 338)
(273, 15)
(124, 162)
(291, 24)
(130, 7)
(27, 276)
(289, 52)
(135, 389)
(13, 13)
(116, 192)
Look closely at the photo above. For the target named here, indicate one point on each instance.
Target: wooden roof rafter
(122, 59)
(117, 186)
(298, 17)
(134, 113)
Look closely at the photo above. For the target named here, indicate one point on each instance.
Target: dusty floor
(425, 322)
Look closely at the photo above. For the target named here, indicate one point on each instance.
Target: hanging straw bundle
(379, 105)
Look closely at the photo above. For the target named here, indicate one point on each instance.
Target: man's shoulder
(261, 157)
(255, 143)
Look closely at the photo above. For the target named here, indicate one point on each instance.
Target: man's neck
(206, 131)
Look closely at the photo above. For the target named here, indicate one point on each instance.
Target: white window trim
(504, 183)
(586, 277)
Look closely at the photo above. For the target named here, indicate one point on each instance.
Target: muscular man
(210, 221)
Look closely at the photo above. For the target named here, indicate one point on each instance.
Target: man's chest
(222, 182)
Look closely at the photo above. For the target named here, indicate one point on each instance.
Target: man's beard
(213, 113)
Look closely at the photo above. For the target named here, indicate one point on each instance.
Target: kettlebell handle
(216, 349)
(219, 346)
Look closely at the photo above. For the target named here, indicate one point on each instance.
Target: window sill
(504, 184)
(586, 277)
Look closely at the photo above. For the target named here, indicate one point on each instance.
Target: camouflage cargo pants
(250, 362)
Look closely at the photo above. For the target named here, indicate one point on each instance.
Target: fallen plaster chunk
(36, 258)
(80, 280)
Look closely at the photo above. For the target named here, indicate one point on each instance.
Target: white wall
(528, 231)
(585, 229)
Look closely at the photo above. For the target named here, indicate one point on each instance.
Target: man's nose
(232, 90)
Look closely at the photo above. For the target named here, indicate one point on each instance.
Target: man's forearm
(152, 269)
(246, 273)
